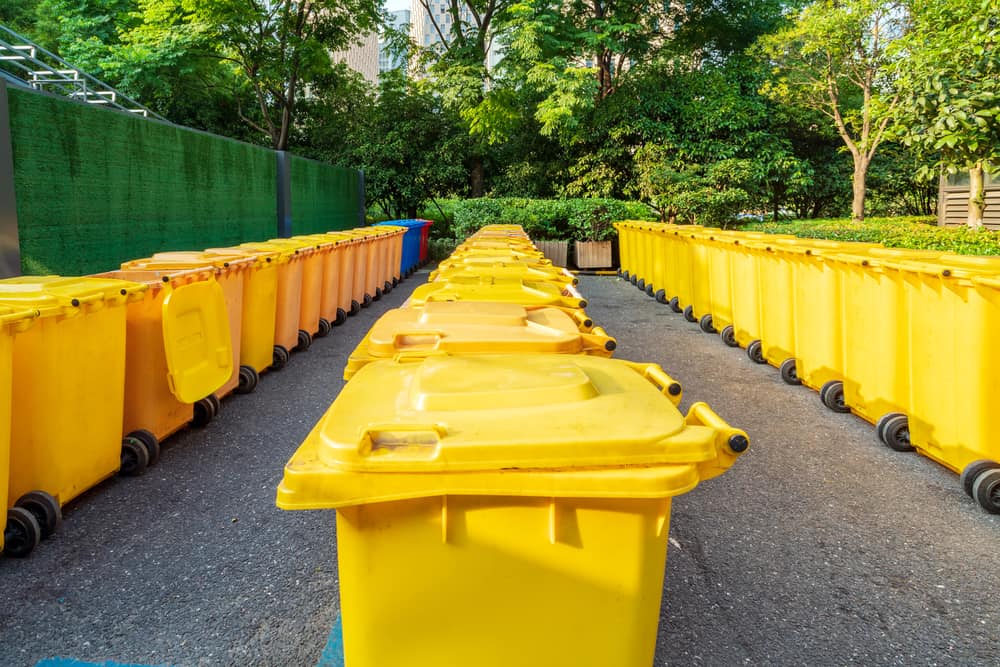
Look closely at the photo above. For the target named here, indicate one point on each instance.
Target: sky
(393, 5)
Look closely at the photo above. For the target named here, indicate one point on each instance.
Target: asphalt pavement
(819, 546)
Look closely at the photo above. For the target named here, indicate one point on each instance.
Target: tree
(949, 77)
(832, 57)
(277, 47)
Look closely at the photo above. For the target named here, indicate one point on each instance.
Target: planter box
(554, 251)
(593, 254)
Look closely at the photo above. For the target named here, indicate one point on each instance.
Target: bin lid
(197, 340)
(555, 423)
(16, 317)
(182, 259)
(503, 272)
(52, 295)
(950, 266)
(503, 260)
(262, 255)
(523, 292)
(463, 327)
(400, 223)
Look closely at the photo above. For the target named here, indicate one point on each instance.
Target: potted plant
(544, 230)
(592, 233)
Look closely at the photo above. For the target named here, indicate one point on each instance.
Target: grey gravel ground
(820, 546)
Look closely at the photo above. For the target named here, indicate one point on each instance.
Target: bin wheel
(386, 287)
(729, 336)
(986, 491)
(649, 290)
(45, 508)
(150, 442)
(641, 284)
(249, 377)
(355, 307)
(896, 433)
(675, 305)
(689, 314)
(204, 411)
(756, 352)
(395, 281)
(134, 457)
(324, 327)
(367, 301)
(216, 405)
(620, 273)
(882, 421)
(660, 296)
(706, 324)
(832, 395)
(305, 340)
(789, 372)
(632, 279)
(279, 358)
(974, 470)
(378, 294)
(21, 534)
(341, 317)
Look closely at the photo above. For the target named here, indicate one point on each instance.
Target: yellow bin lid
(15, 318)
(54, 295)
(466, 328)
(503, 272)
(525, 293)
(528, 425)
(183, 259)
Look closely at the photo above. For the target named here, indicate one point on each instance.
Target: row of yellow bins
(502, 485)
(96, 371)
(901, 338)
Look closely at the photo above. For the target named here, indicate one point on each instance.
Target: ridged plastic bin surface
(479, 540)
(12, 321)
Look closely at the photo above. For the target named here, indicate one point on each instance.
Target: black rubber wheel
(789, 372)
(21, 534)
(386, 287)
(204, 411)
(323, 327)
(729, 336)
(249, 377)
(986, 491)
(341, 317)
(134, 457)
(896, 434)
(882, 421)
(641, 284)
(216, 404)
(650, 291)
(706, 324)
(660, 296)
(279, 358)
(395, 281)
(45, 508)
(972, 471)
(632, 279)
(150, 442)
(378, 294)
(689, 314)
(355, 307)
(620, 272)
(832, 395)
(305, 341)
(367, 301)
(675, 304)
(756, 352)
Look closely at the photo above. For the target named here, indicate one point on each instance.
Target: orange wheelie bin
(287, 334)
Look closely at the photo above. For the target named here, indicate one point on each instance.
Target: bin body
(701, 286)
(777, 301)
(12, 321)
(411, 244)
(425, 235)
(151, 400)
(502, 544)
(475, 328)
(681, 259)
(719, 248)
(624, 229)
(332, 248)
(310, 254)
(359, 279)
(288, 298)
(69, 375)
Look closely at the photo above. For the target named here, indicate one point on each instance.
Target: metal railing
(24, 62)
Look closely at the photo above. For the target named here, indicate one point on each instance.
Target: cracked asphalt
(819, 546)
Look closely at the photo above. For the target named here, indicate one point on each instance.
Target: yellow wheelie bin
(519, 271)
(178, 353)
(260, 305)
(504, 291)
(718, 246)
(462, 261)
(677, 244)
(20, 525)
(473, 328)
(875, 331)
(699, 308)
(231, 275)
(288, 336)
(526, 253)
(311, 253)
(69, 386)
(624, 229)
(953, 310)
(555, 470)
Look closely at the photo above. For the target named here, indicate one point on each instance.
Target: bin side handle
(668, 386)
(730, 442)
(418, 442)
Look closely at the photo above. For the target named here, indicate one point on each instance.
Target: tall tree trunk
(858, 183)
(977, 199)
(476, 178)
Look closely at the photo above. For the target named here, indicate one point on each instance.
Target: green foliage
(577, 219)
(901, 232)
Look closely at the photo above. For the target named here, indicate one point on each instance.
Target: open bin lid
(463, 327)
(550, 425)
(52, 295)
(196, 339)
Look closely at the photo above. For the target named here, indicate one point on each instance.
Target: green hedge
(570, 219)
(903, 232)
